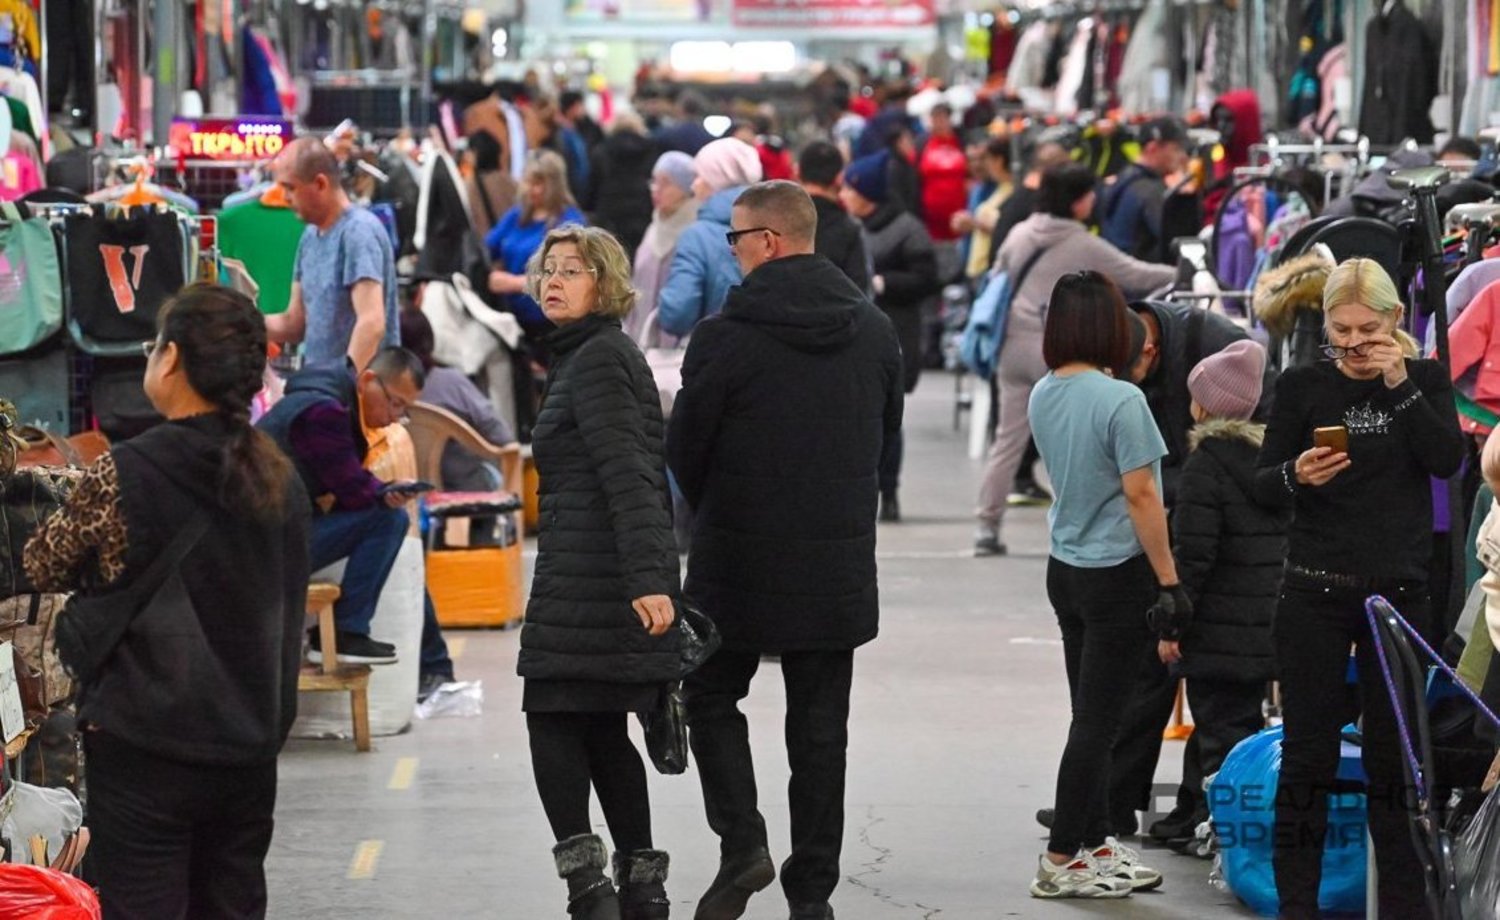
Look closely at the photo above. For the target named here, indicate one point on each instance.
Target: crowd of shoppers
(1196, 531)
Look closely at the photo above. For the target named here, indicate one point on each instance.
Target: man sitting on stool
(322, 423)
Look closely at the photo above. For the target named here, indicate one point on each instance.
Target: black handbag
(665, 726)
(89, 628)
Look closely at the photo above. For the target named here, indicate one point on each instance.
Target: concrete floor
(959, 715)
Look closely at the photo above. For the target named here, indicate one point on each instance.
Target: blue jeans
(435, 659)
(370, 540)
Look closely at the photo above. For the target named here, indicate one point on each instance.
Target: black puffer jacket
(618, 197)
(904, 258)
(1230, 552)
(787, 399)
(606, 528)
(839, 238)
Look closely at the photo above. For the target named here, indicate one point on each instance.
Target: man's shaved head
(307, 158)
(784, 207)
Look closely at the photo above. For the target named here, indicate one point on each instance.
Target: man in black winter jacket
(820, 169)
(788, 399)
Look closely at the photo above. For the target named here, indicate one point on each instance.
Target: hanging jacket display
(1401, 77)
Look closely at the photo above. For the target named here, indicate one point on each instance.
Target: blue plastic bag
(979, 346)
(1242, 803)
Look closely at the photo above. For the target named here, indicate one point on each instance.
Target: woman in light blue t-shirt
(1110, 568)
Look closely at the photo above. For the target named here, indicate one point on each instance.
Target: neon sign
(230, 138)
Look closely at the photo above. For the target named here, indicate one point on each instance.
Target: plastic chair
(471, 585)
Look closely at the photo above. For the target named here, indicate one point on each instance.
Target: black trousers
(1225, 712)
(572, 751)
(817, 742)
(1102, 614)
(1313, 631)
(892, 453)
(1137, 749)
(173, 841)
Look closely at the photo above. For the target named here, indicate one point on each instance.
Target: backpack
(30, 621)
(984, 333)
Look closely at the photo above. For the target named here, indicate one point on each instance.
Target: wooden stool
(331, 675)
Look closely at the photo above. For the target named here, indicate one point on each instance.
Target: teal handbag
(31, 304)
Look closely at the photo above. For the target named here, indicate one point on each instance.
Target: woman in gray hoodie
(1049, 244)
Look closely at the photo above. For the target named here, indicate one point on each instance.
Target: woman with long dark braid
(184, 721)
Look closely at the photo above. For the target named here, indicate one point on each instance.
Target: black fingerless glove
(1172, 613)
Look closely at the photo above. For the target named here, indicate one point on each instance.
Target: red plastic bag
(34, 893)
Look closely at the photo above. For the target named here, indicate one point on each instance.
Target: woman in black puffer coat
(1230, 551)
(598, 643)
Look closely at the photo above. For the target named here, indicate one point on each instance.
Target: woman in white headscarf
(674, 210)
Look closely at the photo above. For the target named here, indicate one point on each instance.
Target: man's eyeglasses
(1335, 352)
(397, 404)
(733, 236)
(569, 275)
(147, 348)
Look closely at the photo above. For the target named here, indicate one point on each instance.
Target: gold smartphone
(1336, 437)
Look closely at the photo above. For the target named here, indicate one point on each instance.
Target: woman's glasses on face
(570, 274)
(1335, 352)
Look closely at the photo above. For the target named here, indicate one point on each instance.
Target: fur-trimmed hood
(1294, 285)
(1232, 429)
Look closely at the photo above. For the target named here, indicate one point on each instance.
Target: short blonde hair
(1366, 282)
(606, 260)
(1362, 281)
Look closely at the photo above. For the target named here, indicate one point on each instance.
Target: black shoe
(355, 648)
(429, 684)
(1178, 824)
(819, 911)
(737, 880)
(890, 508)
(1028, 495)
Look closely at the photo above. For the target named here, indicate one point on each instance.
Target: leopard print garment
(83, 543)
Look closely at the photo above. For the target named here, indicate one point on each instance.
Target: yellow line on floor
(456, 647)
(366, 858)
(405, 772)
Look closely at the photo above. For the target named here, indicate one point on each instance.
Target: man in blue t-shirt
(343, 300)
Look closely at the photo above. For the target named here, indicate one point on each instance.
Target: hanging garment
(1004, 37)
(1146, 53)
(1071, 74)
(1028, 64)
(445, 239)
(22, 87)
(1326, 122)
(31, 309)
(1401, 78)
(120, 272)
(1474, 349)
(265, 239)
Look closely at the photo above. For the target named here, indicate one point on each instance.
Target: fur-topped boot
(581, 861)
(641, 877)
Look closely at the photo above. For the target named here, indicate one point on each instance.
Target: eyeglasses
(733, 236)
(147, 348)
(1335, 352)
(397, 404)
(568, 275)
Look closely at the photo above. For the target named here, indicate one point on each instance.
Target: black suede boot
(581, 861)
(738, 879)
(641, 877)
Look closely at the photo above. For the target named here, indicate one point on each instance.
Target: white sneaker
(1120, 862)
(1081, 878)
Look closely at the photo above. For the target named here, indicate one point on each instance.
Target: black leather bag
(665, 726)
(90, 627)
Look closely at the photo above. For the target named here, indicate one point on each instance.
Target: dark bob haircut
(1062, 187)
(1086, 322)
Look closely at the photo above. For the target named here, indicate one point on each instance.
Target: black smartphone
(405, 487)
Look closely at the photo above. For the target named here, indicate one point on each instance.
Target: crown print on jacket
(1366, 420)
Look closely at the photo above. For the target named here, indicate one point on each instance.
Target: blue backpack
(984, 333)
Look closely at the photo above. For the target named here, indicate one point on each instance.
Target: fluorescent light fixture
(700, 57)
(764, 57)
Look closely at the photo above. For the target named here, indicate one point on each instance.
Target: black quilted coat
(606, 525)
(788, 396)
(1230, 552)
